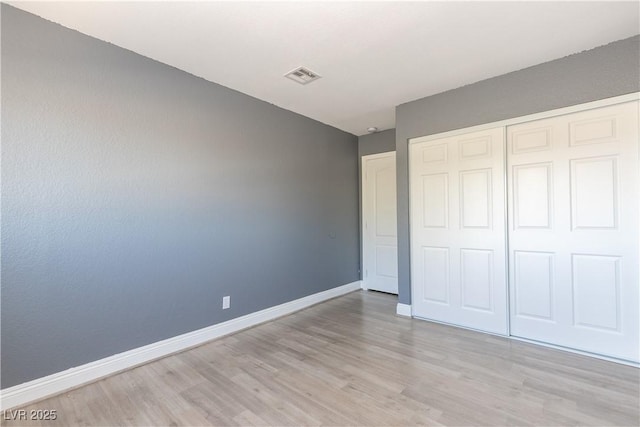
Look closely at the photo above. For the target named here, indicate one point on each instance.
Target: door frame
(363, 204)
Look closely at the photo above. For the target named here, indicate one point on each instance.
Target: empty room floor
(351, 361)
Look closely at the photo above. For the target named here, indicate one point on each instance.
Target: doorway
(379, 223)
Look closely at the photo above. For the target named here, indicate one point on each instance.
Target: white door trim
(403, 309)
(377, 156)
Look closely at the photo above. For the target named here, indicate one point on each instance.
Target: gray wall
(379, 142)
(135, 196)
(599, 73)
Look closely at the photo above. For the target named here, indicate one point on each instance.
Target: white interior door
(379, 223)
(458, 255)
(573, 238)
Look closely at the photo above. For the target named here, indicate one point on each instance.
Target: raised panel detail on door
(533, 284)
(531, 140)
(574, 244)
(475, 198)
(386, 261)
(436, 268)
(386, 222)
(532, 195)
(435, 154)
(435, 200)
(379, 223)
(476, 276)
(594, 193)
(475, 148)
(458, 259)
(591, 131)
(596, 291)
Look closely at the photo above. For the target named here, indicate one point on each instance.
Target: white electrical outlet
(226, 302)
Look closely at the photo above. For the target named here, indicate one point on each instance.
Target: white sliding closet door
(573, 237)
(458, 257)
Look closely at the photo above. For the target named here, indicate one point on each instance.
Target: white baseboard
(59, 382)
(403, 310)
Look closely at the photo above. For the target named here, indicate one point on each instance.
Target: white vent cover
(302, 75)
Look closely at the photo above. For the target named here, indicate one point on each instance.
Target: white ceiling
(372, 55)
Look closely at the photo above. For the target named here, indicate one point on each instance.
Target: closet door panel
(573, 230)
(458, 255)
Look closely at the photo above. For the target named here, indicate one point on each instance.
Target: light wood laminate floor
(351, 361)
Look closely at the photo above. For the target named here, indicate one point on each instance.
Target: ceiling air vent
(302, 75)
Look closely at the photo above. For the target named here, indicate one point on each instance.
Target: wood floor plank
(351, 361)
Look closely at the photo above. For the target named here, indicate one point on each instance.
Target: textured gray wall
(599, 73)
(135, 196)
(379, 142)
